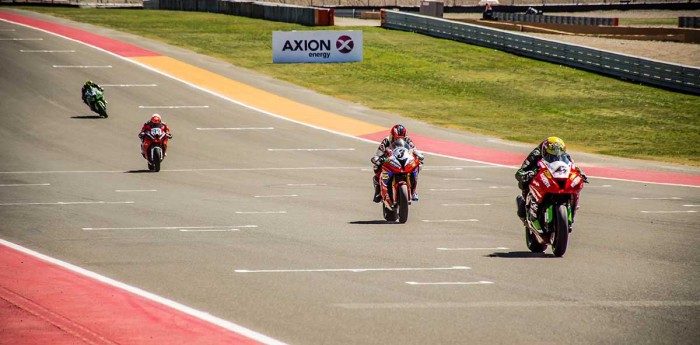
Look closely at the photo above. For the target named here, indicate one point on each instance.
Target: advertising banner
(316, 46)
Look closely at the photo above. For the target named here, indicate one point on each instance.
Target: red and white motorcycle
(397, 181)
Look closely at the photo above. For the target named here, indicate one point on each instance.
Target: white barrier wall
(316, 46)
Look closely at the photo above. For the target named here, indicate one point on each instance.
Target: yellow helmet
(553, 146)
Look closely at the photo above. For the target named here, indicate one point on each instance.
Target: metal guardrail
(547, 19)
(665, 75)
(689, 22)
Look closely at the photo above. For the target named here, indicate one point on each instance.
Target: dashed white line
(461, 249)
(448, 189)
(135, 190)
(24, 184)
(129, 85)
(356, 270)
(46, 51)
(7, 30)
(668, 198)
(305, 184)
(209, 230)
(449, 220)
(691, 205)
(691, 211)
(235, 128)
(462, 179)
(81, 66)
(174, 228)
(341, 149)
(21, 39)
(260, 212)
(276, 196)
(65, 203)
(500, 187)
(481, 282)
(172, 106)
(456, 205)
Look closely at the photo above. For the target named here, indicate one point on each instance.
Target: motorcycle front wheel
(156, 158)
(561, 237)
(403, 203)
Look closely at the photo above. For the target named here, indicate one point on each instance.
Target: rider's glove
(141, 135)
(375, 160)
(585, 178)
(528, 176)
(420, 156)
(170, 135)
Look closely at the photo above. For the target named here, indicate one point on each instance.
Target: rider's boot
(377, 192)
(521, 207)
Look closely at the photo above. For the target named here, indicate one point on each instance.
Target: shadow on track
(83, 117)
(139, 171)
(520, 255)
(369, 222)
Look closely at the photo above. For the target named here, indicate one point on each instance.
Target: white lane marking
(342, 149)
(7, 30)
(461, 249)
(448, 189)
(305, 184)
(24, 184)
(150, 296)
(500, 187)
(357, 270)
(260, 212)
(481, 282)
(81, 66)
(172, 106)
(277, 116)
(128, 85)
(46, 51)
(174, 227)
(234, 128)
(691, 211)
(691, 205)
(669, 198)
(276, 196)
(463, 179)
(454, 205)
(135, 190)
(449, 220)
(601, 186)
(209, 230)
(524, 304)
(66, 203)
(182, 170)
(442, 168)
(21, 39)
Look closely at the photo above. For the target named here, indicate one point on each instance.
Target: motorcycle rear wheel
(390, 214)
(532, 244)
(561, 237)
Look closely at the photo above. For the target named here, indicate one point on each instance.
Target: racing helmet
(155, 119)
(88, 83)
(553, 146)
(397, 132)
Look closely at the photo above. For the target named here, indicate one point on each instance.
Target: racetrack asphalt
(269, 225)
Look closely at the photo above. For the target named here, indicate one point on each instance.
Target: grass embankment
(447, 84)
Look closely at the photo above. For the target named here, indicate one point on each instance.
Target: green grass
(448, 84)
(649, 21)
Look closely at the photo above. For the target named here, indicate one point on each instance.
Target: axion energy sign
(316, 46)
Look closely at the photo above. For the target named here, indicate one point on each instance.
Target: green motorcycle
(96, 101)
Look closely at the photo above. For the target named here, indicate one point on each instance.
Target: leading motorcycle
(153, 146)
(96, 101)
(398, 175)
(553, 197)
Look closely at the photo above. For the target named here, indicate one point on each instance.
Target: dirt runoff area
(673, 52)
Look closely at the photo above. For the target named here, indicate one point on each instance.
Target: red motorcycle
(397, 178)
(153, 146)
(553, 196)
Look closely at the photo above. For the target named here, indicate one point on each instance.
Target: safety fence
(665, 75)
(309, 16)
(689, 22)
(547, 19)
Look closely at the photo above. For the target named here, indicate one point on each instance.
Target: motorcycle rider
(86, 87)
(552, 146)
(396, 133)
(155, 122)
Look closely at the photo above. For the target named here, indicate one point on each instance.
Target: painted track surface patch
(40, 300)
